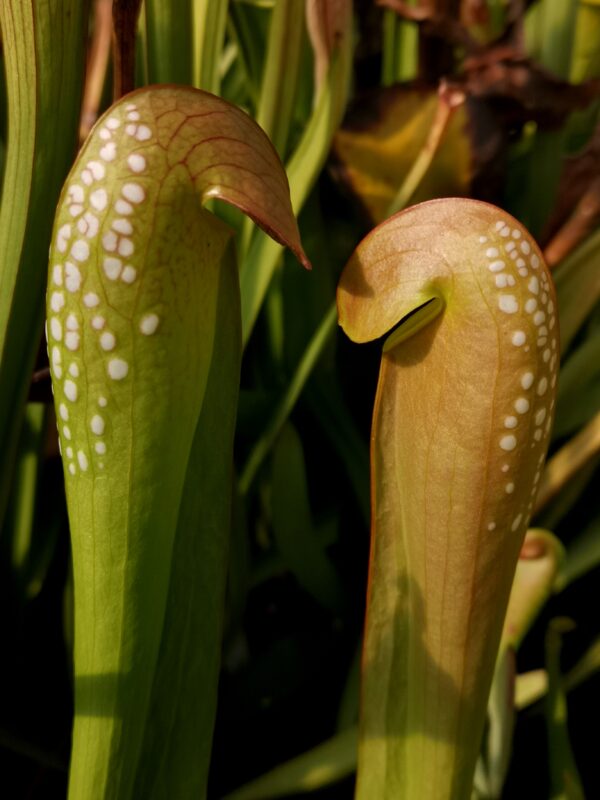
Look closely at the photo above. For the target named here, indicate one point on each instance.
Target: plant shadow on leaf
(94, 693)
(417, 680)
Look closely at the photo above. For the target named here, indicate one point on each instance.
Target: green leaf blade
(43, 84)
(293, 528)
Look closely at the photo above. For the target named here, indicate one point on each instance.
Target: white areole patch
(123, 226)
(97, 169)
(72, 340)
(123, 207)
(149, 324)
(56, 329)
(133, 192)
(527, 380)
(109, 241)
(126, 247)
(136, 162)
(57, 301)
(89, 225)
(516, 522)
(97, 425)
(508, 442)
(112, 267)
(91, 300)
(72, 277)
(129, 274)
(107, 341)
(71, 391)
(108, 152)
(62, 237)
(99, 199)
(143, 133)
(118, 369)
(508, 303)
(522, 405)
(76, 193)
(56, 362)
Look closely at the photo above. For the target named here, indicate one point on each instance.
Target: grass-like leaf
(303, 168)
(169, 42)
(564, 777)
(321, 766)
(577, 281)
(209, 24)
(293, 529)
(43, 84)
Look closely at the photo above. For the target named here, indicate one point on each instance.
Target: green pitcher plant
(144, 344)
(462, 416)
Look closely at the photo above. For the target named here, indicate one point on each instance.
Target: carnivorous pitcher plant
(461, 423)
(145, 344)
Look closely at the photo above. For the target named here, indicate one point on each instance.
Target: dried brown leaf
(97, 63)
(125, 15)
(383, 136)
(577, 209)
(327, 22)
(527, 91)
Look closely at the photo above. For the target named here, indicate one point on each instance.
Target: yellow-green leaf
(144, 339)
(44, 83)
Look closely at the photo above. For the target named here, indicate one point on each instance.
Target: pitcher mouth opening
(414, 321)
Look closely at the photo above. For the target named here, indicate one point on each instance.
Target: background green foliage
(463, 98)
